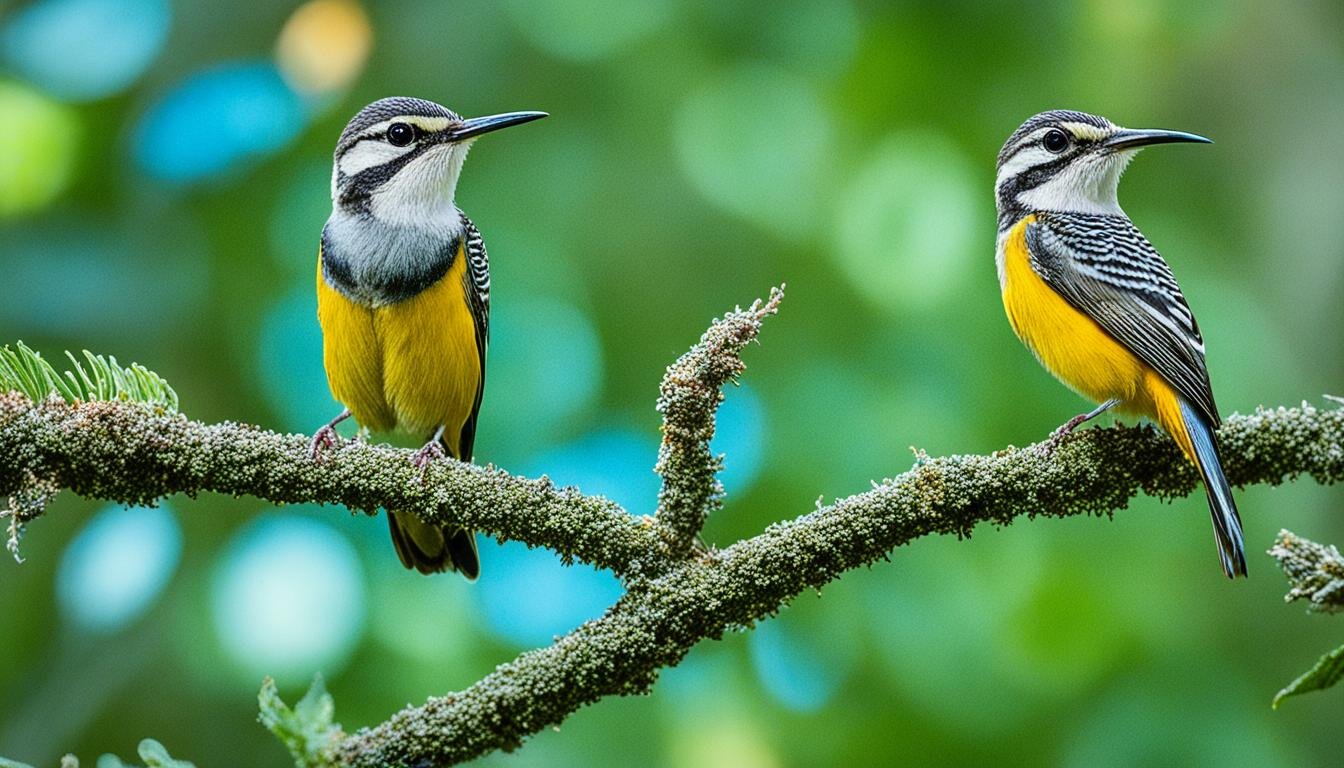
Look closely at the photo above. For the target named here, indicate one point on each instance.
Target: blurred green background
(164, 175)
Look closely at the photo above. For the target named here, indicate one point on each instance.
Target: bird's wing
(1107, 269)
(477, 287)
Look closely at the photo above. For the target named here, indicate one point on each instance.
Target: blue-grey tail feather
(1226, 521)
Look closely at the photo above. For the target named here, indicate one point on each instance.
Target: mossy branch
(690, 395)
(677, 595)
(133, 453)
(1315, 571)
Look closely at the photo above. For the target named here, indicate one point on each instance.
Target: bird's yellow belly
(1077, 351)
(1068, 343)
(410, 366)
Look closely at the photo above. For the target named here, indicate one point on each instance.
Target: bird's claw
(426, 456)
(1057, 437)
(326, 437)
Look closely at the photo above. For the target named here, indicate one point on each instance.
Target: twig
(1315, 571)
(690, 395)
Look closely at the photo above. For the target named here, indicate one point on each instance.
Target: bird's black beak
(1133, 139)
(475, 126)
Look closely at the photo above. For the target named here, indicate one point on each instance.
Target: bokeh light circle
(216, 119)
(612, 462)
(587, 31)
(740, 436)
(287, 598)
(911, 223)
(37, 149)
(323, 45)
(79, 50)
(544, 366)
(528, 596)
(765, 162)
(117, 566)
(799, 662)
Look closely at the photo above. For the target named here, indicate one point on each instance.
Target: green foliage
(1328, 671)
(97, 378)
(307, 730)
(1316, 573)
(152, 752)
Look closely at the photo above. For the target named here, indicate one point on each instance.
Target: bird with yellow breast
(403, 297)
(1095, 302)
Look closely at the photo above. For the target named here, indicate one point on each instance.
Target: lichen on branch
(1315, 571)
(133, 453)
(688, 399)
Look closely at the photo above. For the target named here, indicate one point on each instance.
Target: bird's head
(1070, 161)
(399, 158)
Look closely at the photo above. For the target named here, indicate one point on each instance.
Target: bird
(1095, 302)
(403, 298)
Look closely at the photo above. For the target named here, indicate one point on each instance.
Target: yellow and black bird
(403, 297)
(1095, 302)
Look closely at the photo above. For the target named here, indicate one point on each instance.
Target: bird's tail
(1226, 521)
(430, 548)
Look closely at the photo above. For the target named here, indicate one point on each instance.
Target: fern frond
(24, 370)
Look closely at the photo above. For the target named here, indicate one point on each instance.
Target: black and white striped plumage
(1105, 267)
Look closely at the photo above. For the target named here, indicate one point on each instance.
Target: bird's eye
(1055, 141)
(400, 134)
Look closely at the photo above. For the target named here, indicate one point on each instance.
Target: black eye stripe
(376, 134)
(1020, 147)
(357, 189)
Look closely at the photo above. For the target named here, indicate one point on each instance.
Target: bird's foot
(1056, 438)
(426, 456)
(326, 437)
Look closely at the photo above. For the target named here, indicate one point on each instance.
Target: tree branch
(133, 453)
(1315, 571)
(657, 622)
(676, 596)
(690, 395)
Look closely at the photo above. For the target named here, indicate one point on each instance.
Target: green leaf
(1328, 671)
(307, 730)
(156, 755)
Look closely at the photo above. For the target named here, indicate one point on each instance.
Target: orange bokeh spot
(323, 45)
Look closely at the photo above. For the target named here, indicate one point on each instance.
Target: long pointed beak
(475, 126)
(1130, 139)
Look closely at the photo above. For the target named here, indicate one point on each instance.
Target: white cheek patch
(421, 193)
(1080, 187)
(368, 153)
